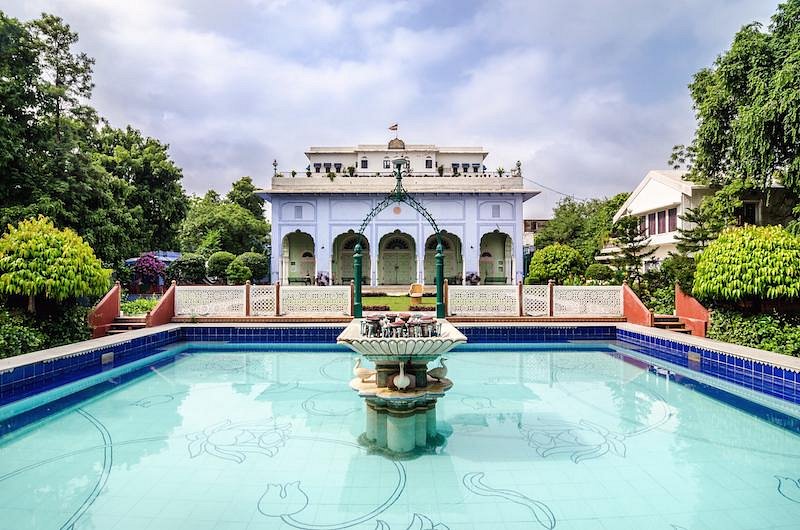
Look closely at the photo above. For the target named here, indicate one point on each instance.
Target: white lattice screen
(262, 300)
(587, 300)
(332, 300)
(495, 300)
(200, 300)
(535, 300)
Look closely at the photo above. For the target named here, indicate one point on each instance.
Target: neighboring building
(530, 227)
(662, 198)
(317, 213)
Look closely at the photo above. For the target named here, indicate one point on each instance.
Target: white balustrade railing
(331, 300)
(587, 300)
(480, 300)
(495, 300)
(202, 300)
(536, 300)
(262, 300)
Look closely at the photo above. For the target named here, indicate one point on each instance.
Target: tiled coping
(755, 370)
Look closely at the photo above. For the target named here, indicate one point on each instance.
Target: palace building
(316, 215)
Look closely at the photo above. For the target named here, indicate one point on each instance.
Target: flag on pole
(393, 127)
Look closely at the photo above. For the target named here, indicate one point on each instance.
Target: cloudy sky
(588, 94)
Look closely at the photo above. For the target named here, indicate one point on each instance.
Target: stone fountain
(400, 420)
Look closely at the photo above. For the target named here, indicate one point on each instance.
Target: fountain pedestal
(401, 422)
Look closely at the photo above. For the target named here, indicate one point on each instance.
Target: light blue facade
(316, 215)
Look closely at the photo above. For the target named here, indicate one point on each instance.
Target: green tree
(238, 273)
(38, 259)
(243, 193)
(189, 268)
(235, 228)
(632, 249)
(748, 109)
(218, 262)
(584, 225)
(749, 263)
(157, 193)
(555, 262)
(257, 263)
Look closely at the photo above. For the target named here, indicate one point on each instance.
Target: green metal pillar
(357, 306)
(439, 280)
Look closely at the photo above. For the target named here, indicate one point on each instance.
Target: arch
(453, 258)
(397, 259)
(298, 261)
(495, 265)
(342, 258)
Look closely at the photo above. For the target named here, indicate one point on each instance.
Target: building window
(317, 168)
(428, 163)
(338, 167)
(746, 214)
(643, 224)
(364, 163)
(529, 225)
(651, 224)
(672, 215)
(662, 222)
(495, 210)
(298, 212)
(455, 168)
(387, 164)
(465, 167)
(476, 168)
(327, 166)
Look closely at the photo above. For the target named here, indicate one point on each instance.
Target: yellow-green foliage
(752, 262)
(36, 258)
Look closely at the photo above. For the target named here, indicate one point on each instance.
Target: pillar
(421, 427)
(357, 306)
(400, 427)
(430, 422)
(380, 428)
(374, 249)
(372, 423)
(420, 249)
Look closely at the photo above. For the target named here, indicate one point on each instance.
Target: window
(662, 222)
(495, 210)
(338, 167)
(746, 214)
(298, 212)
(672, 214)
(643, 224)
(387, 164)
(476, 168)
(364, 163)
(428, 163)
(529, 225)
(317, 167)
(651, 224)
(327, 167)
(465, 167)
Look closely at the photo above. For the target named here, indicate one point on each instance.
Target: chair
(416, 290)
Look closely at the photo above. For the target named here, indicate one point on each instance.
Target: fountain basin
(419, 349)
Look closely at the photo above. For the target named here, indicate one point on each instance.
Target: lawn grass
(398, 303)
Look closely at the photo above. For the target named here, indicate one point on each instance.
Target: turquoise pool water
(546, 436)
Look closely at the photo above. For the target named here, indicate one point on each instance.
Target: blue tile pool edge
(747, 373)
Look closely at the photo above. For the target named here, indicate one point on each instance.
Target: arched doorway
(342, 258)
(495, 265)
(397, 259)
(453, 258)
(298, 264)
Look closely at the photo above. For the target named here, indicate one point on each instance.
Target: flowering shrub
(323, 279)
(472, 278)
(149, 268)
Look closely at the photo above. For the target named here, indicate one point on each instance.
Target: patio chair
(416, 290)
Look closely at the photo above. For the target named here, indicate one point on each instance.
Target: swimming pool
(570, 434)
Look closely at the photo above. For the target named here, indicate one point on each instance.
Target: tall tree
(212, 225)
(583, 225)
(144, 163)
(632, 249)
(748, 109)
(243, 193)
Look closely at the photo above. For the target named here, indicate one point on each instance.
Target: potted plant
(500, 171)
(308, 171)
(331, 175)
(440, 169)
(351, 170)
(294, 173)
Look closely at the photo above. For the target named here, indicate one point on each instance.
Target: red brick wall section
(691, 312)
(103, 314)
(163, 312)
(633, 308)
